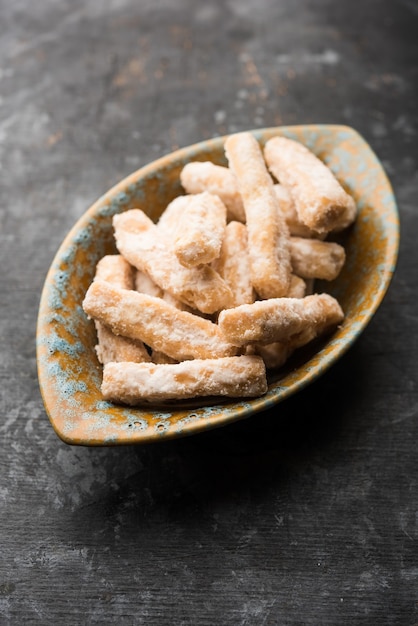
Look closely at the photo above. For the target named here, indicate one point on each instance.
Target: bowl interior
(69, 373)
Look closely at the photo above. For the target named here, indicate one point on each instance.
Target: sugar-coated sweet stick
(149, 250)
(279, 319)
(201, 176)
(287, 206)
(312, 258)
(170, 217)
(116, 270)
(111, 347)
(200, 230)
(274, 354)
(233, 263)
(133, 384)
(297, 287)
(321, 202)
(178, 334)
(145, 284)
(268, 235)
(178, 303)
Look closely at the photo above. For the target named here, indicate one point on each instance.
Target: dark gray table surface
(306, 514)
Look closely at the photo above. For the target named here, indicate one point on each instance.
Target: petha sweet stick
(115, 270)
(268, 235)
(178, 334)
(201, 176)
(148, 249)
(287, 206)
(200, 230)
(233, 263)
(312, 258)
(237, 377)
(321, 202)
(279, 319)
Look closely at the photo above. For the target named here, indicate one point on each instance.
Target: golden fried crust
(279, 319)
(312, 258)
(200, 230)
(206, 176)
(243, 376)
(321, 202)
(178, 334)
(146, 247)
(268, 234)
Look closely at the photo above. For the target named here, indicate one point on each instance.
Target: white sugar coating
(316, 259)
(206, 176)
(233, 263)
(321, 202)
(279, 319)
(274, 354)
(145, 284)
(200, 230)
(133, 384)
(149, 250)
(116, 270)
(177, 333)
(111, 347)
(170, 217)
(288, 208)
(268, 234)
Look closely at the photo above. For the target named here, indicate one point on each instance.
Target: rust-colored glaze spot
(69, 373)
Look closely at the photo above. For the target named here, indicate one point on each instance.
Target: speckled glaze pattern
(69, 373)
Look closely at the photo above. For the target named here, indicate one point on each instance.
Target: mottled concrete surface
(307, 514)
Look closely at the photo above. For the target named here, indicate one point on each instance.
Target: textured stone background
(307, 514)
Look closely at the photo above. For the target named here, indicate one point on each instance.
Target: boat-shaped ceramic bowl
(69, 373)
